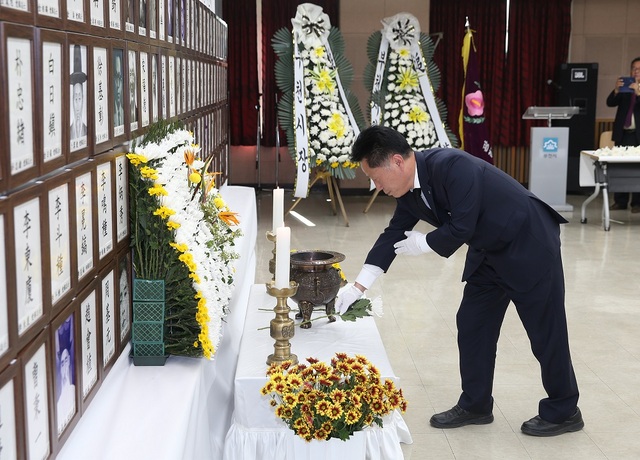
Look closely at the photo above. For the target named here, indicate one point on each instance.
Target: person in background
(626, 126)
(513, 255)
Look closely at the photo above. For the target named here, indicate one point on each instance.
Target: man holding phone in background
(626, 125)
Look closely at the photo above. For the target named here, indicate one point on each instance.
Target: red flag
(474, 135)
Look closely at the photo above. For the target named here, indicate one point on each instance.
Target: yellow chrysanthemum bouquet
(182, 232)
(323, 401)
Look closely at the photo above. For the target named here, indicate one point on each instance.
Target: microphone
(550, 82)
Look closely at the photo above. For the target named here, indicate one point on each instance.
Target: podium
(548, 156)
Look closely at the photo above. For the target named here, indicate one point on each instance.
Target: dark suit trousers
(541, 310)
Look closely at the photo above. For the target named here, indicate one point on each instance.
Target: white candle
(278, 208)
(283, 249)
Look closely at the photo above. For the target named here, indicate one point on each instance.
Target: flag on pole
(474, 135)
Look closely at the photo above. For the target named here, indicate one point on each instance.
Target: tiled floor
(421, 296)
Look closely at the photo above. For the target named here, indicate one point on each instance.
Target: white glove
(345, 298)
(414, 245)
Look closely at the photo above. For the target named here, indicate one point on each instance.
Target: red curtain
(243, 70)
(488, 21)
(539, 32)
(276, 15)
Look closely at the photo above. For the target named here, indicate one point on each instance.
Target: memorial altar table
(256, 433)
(181, 410)
(615, 173)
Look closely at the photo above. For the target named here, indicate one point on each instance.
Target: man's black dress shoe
(617, 207)
(457, 416)
(538, 427)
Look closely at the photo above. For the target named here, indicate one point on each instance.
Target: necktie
(627, 121)
(422, 204)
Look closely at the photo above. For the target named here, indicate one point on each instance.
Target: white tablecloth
(256, 433)
(181, 410)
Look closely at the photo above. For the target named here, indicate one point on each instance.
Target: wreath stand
(334, 194)
(371, 200)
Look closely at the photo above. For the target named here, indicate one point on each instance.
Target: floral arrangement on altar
(402, 79)
(618, 151)
(323, 401)
(182, 232)
(332, 117)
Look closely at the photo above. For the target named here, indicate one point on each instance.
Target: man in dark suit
(626, 126)
(513, 241)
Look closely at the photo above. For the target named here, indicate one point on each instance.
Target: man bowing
(513, 254)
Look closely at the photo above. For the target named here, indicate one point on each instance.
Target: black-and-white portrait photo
(142, 19)
(78, 115)
(133, 94)
(131, 13)
(65, 374)
(118, 92)
(152, 22)
(170, 18)
(124, 297)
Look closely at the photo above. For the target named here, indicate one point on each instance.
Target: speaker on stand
(576, 85)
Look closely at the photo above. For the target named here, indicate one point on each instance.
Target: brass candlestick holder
(271, 236)
(282, 328)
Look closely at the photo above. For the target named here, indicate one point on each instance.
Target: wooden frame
(115, 18)
(130, 15)
(86, 227)
(104, 207)
(65, 366)
(142, 26)
(121, 203)
(152, 21)
(144, 88)
(171, 20)
(50, 13)
(164, 86)
(21, 12)
(26, 239)
(77, 18)
(108, 344)
(124, 283)
(118, 109)
(52, 96)
(132, 90)
(11, 411)
(154, 86)
(79, 80)
(102, 106)
(8, 330)
(171, 85)
(60, 262)
(98, 13)
(89, 338)
(180, 30)
(37, 401)
(22, 161)
(162, 21)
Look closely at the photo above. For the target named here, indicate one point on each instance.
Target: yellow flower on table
(330, 401)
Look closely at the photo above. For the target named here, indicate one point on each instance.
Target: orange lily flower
(229, 217)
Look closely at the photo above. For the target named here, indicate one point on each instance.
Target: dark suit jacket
(476, 204)
(622, 101)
